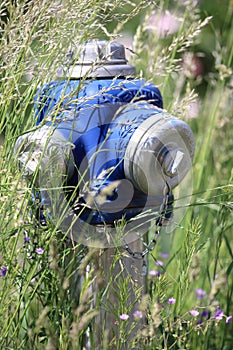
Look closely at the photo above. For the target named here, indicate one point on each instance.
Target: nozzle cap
(159, 153)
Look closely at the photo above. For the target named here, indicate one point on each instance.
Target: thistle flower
(192, 64)
(165, 24)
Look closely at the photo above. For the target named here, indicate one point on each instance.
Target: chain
(163, 211)
(39, 221)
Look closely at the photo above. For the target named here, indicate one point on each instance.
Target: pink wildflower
(40, 251)
(194, 313)
(124, 317)
(171, 301)
(138, 314)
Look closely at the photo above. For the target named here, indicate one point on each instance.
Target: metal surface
(97, 58)
(121, 270)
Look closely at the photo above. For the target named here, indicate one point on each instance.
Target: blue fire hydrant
(103, 140)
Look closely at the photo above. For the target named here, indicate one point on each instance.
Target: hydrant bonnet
(99, 59)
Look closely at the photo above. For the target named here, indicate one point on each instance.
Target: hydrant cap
(97, 58)
(159, 152)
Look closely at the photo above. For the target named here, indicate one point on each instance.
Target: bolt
(171, 162)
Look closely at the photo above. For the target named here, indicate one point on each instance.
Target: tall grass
(188, 303)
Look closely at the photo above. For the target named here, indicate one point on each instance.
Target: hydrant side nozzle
(43, 148)
(160, 151)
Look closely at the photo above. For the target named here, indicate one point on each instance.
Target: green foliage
(48, 300)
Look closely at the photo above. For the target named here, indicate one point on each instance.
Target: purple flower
(3, 271)
(165, 24)
(159, 263)
(138, 314)
(192, 64)
(219, 314)
(26, 239)
(228, 319)
(205, 314)
(171, 301)
(40, 250)
(164, 255)
(154, 273)
(16, 233)
(200, 293)
(124, 317)
(194, 313)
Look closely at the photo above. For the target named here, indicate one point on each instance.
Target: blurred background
(185, 47)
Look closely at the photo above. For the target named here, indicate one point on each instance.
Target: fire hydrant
(105, 150)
